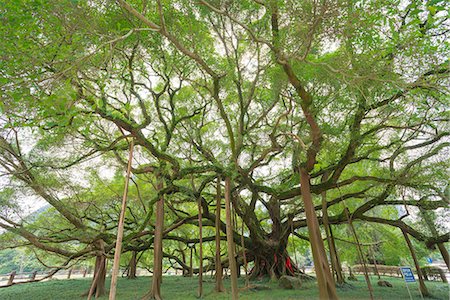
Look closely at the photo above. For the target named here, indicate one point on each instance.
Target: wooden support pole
(191, 268)
(427, 216)
(120, 228)
(155, 292)
(230, 241)
(200, 244)
(444, 254)
(327, 287)
(374, 262)
(236, 250)
(360, 253)
(244, 256)
(422, 286)
(219, 272)
(69, 273)
(339, 272)
(335, 264)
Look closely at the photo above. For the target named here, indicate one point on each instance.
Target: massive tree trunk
(219, 273)
(269, 251)
(271, 259)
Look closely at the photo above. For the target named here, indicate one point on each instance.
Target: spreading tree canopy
(350, 98)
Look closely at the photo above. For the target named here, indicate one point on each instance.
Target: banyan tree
(297, 117)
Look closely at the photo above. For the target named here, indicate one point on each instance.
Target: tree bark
(230, 241)
(155, 292)
(120, 227)
(244, 256)
(98, 282)
(185, 271)
(335, 265)
(422, 286)
(444, 254)
(219, 272)
(429, 221)
(374, 262)
(271, 261)
(191, 267)
(360, 253)
(327, 288)
(132, 266)
(200, 244)
(339, 274)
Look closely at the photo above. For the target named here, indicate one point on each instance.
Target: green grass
(177, 287)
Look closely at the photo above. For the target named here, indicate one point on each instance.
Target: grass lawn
(177, 287)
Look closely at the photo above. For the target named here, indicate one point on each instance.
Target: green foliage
(18, 260)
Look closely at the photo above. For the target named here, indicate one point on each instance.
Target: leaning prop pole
(335, 263)
(230, 241)
(422, 287)
(359, 250)
(349, 217)
(327, 288)
(200, 244)
(219, 273)
(244, 256)
(117, 252)
(325, 281)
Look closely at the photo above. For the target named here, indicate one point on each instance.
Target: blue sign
(429, 260)
(408, 274)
